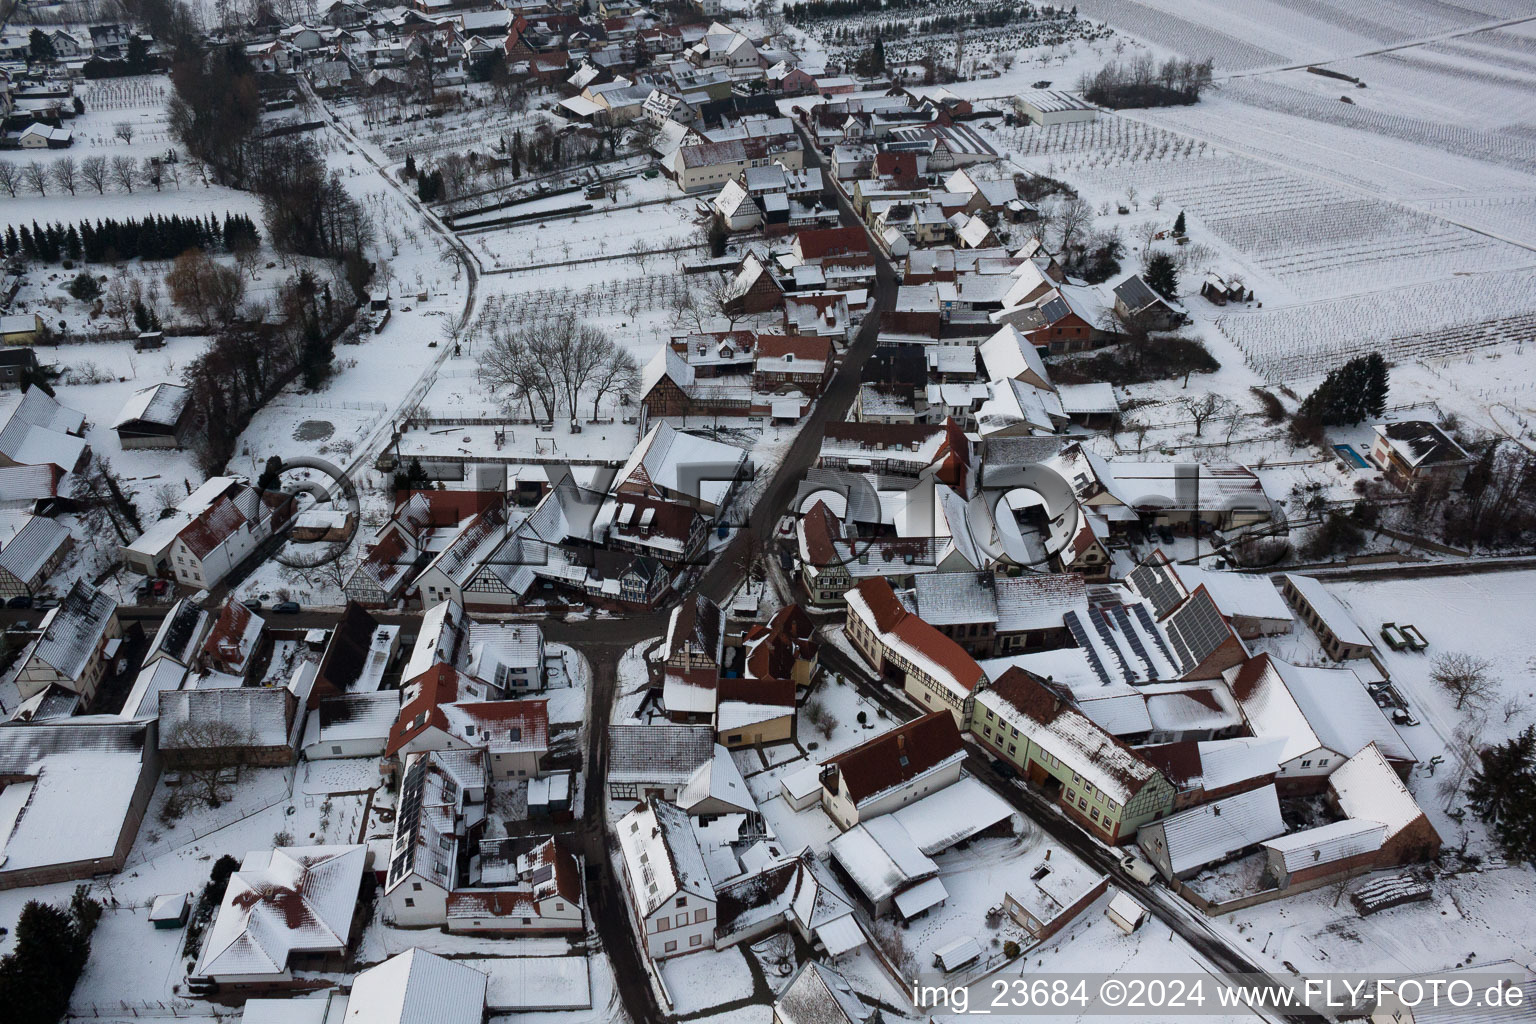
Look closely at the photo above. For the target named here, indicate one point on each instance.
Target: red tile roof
(775, 346)
(438, 685)
(758, 691)
(898, 756)
(814, 243)
(212, 527)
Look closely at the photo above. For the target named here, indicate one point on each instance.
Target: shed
(957, 954)
(169, 910)
(802, 788)
(1125, 912)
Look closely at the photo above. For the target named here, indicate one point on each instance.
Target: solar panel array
(1154, 581)
(1123, 620)
(1080, 636)
(1108, 637)
(408, 817)
(1197, 629)
(1145, 618)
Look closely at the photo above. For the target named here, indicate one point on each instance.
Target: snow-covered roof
(683, 464)
(1095, 398)
(32, 547)
(73, 632)
(1336, 840)
(160, 404)
(819, 995)
(717, 781)
(417, 987)
(258, 715)
(1238, 593)
(1312, 707)
(881, 858)
(1023, 702)
(283, 901)
(958, 811)
(658, 754)
(1367, 787)
(1329, 609)
(1211, 832)
(662, 855)
(40, 432)
(75, 779)
(358, 715)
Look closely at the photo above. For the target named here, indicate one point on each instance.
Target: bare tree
(1130, 196)
(93, 169)
(618, 372)
(10, 177)
(1205, 407)
(1157, 201)
(203, 752)
(205, 289)
(1147, 233)
(125, 172)
(511, 364)
(1469, 677)
(124, 130)
(1511, 708)
(66, 174)
(117, 302)
(36, 177)
(1073, 218)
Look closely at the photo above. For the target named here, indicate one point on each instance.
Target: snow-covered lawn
(698, 981)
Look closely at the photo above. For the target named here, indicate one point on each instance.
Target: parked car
(1138, 867)
(20, 601)
(253, 604)
(1003, 768)
(1402, 716)
(287, 608)
(46, 603)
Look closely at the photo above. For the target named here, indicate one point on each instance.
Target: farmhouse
(1187, 842)
(212, 530)
(1321, 714)
(72, 650)
(934, 670)
(41, 432)
(1101, 784)
(442, 812)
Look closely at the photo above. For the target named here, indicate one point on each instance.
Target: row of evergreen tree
(152, 238)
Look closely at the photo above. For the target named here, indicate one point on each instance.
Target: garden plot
(1301, 342)
(702, 981)
(594, 237)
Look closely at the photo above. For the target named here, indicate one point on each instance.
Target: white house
(442, 805)
(892, 770)
(667, 880)
(213, 529)
(283, 907)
